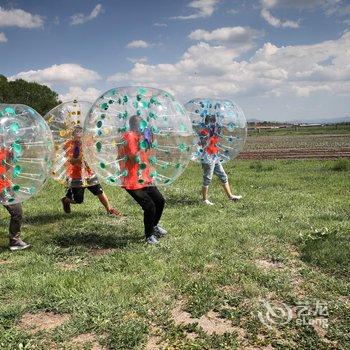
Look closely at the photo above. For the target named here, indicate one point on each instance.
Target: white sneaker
(159, 231)
(152, 240)
(208, 202)
(235, 198)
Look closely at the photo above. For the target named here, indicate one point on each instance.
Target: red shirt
(4, 183)
(211, 147)
(136, 177)
(4, 153)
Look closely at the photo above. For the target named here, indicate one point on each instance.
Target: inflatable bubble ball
(138, 136)
(220, 126)
(26, 150)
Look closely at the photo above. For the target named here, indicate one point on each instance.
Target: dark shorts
(76, 194)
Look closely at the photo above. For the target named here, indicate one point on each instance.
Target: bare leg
(205, 190)
(227, 189)
(105, 202)
(229, 194)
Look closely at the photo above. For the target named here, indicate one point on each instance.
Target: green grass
(295, 213)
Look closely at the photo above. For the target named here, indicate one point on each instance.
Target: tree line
(40, 97)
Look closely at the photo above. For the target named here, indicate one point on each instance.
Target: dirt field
(321, 146)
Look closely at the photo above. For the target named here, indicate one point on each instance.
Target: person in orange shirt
(138, 180)
(15, 210)
(209, 140)
(79, 174)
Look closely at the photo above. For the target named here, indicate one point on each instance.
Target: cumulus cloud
(75, 92)
(339, 8)
(213, 70)
(241, 38)
(137, 44)
(19, 18)
(69, 73)
(80, 18)
(3, 38)
(203, 9)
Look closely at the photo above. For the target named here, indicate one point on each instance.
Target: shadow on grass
(180, 200)
(328, 252)
(48, 218)
(95, 240)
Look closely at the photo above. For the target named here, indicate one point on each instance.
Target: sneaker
(18, 244)
(235, 198)
(152, 240)
(66, 204)
(115, 212)
(208, 202)
(159, 231)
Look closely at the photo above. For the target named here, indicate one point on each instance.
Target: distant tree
(40, 97)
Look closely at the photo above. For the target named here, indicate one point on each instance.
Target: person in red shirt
(80, 176)
(137, 179)
(209, 138)
(15, 210)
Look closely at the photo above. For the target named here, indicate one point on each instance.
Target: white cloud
(3, 38)
(305, 91)
(137, 44)
(330, 7)
(276, 22)
(213, 70)
(19, 18)
(80, 18)
(204, 9)
(56, 21)
(76, 92)
(143, 59)
(68, 73)
(158, 24)
(241, 38)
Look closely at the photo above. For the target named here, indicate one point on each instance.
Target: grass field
(90, 282)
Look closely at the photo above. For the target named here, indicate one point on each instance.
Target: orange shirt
(74, 152)
(137, 159)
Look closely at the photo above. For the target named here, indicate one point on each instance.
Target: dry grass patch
(82, 340)
(211, 322)
(269, 347)
(155, 343)
(67, 266)
(42, 321)
(268, 264)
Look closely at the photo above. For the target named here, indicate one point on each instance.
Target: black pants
(16, 213)
(152, 203)
(76, 194)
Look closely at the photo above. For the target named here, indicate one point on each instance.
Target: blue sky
(278, 59)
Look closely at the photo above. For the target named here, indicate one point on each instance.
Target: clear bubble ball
(220, 126)
(66, 123)
(137, 137)
(26, 148)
